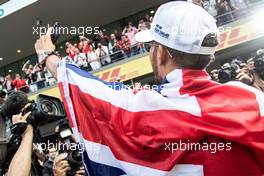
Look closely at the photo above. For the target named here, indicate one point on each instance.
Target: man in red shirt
(84, 45)
(71, 50)
(125, 45)
(19, 83)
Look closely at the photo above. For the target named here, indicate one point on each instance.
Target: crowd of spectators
(225, 10)
(92, 54)
(35, 78)
(89, 54)
(250, 71)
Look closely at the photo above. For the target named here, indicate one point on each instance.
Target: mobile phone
(55, 32)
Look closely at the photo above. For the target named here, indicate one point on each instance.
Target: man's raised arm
(43, 46)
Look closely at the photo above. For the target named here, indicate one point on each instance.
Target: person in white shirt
(210, 7)
(238, 4)
(240, 7)
(130, 32)
(80, 59)
(48, 77)
(93, 59)
(8, 83)
(103, 53)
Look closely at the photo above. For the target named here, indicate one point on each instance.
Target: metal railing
(234, 15)
(115, 57)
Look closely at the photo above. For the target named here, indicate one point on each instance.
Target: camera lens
(259, 64)
(49, 107)
(224, 75)
(227, 72)
(76, 155)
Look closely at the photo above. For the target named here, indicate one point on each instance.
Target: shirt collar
(187, 78)
(179, 75)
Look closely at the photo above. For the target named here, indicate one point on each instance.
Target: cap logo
(158, 30)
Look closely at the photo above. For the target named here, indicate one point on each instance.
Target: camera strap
(3, 139)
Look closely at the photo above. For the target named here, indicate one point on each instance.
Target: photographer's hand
(245, 77)
(21, 162)
(61, 166)
(19, 118)
(80, 172)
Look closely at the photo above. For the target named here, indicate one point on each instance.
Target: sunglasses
(148, 45)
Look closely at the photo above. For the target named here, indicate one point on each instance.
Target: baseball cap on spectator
(181, 26)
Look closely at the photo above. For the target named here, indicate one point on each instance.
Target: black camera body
(74, 157)
(45, 112)
(228, 72)
(259, 63)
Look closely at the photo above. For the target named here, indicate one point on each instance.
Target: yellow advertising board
(127, 71)
(229, 37)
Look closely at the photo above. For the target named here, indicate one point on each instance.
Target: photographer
(250, 73)
(17, 115)
(250, 76)
(21, 163)
(61, 166)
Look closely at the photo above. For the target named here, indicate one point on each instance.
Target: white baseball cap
(181, 26)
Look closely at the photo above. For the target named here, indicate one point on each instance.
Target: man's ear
(161, 55)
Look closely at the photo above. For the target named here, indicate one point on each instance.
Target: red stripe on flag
(65, 104)
(140, 137)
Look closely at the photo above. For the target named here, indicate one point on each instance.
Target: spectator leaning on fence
(84, 45)
(103, 39)
(31, 78)
(239, 6)
(39, 72)
(223, 7)
(20, 84)
(210, 7)
(130, 32)
(8, 83)
(93, 59)
(103, 53)
(141, 25)
(125, 45)
(114, 44)
(71, 50)
(27, 66)
(117, 34)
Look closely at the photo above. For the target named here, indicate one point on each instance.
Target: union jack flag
(125, 133)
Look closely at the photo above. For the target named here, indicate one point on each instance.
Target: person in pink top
(130, 31)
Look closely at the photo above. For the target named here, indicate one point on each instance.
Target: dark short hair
(194, 61)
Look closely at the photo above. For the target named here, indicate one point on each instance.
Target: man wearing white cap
(189, 126)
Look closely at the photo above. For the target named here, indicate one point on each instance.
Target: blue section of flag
(98, 169)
